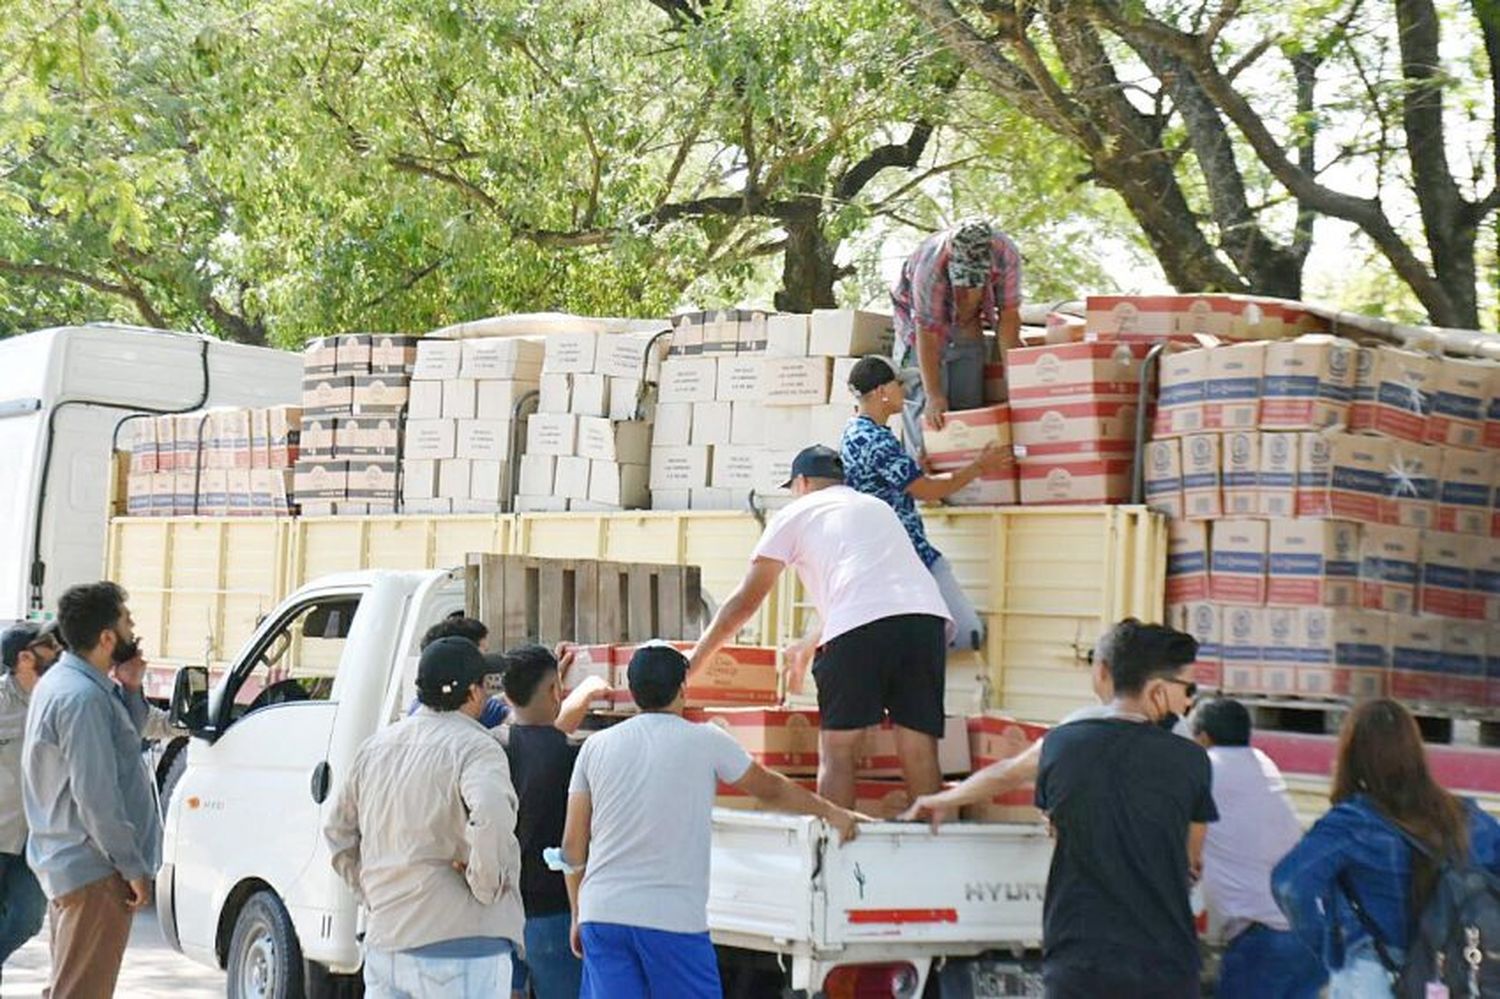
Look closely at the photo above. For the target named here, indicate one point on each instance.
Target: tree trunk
(808, 272)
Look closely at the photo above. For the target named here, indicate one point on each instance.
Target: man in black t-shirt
(541, 765)
(1128, 802)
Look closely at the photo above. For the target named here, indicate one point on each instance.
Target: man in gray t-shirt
(637, 839)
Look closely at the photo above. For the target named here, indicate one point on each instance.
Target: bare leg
(838, 756)
(919, 761)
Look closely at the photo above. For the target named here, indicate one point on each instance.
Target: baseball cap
(450, 664)
(869, 373)
(816, 462)
(20, 637)
(656, 666)
(970, 254)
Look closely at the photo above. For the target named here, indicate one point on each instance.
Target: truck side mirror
(190, 699)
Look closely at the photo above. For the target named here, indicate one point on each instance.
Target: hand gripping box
(1461, 394)
(1307, 384)
(1401, 383)
(1097, 370)
(1180, 398)
(1416, 658)
(1237, 561)
(1164, 477)
(1241, 637)
(1447, 587)
(965, 433)
(1241, 474)
(1313, 562)
(1202, 476)
(1232, 387)
(1187, 561)
(1388, 568)
(1463, 491)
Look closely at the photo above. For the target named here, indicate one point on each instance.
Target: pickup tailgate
(968, 888)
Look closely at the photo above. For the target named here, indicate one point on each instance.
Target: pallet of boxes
(588, 446)
(1333, 530)
(215, 462)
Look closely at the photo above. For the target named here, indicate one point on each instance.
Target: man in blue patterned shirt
(875, 463)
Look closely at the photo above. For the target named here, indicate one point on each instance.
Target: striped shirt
(923, 297)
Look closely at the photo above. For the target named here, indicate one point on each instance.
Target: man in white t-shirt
(636, 845)
(883, 647)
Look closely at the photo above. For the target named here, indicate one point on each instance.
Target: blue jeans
(553, 970)
(1262, 963)
(629, 962)
(962, 371)
(968, 626)
(23, 906)
(1362, 976)
(403, 975)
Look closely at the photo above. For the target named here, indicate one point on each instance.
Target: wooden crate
(525, 599)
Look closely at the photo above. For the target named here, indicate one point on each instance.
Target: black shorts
(893, 665)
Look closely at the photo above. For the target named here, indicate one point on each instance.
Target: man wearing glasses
(27, 650)
(1129, 804)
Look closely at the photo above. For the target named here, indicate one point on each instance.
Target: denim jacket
(1355, 839)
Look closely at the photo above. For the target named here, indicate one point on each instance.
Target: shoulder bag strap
(1368, 923)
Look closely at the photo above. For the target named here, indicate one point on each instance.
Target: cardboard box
(739, 379)
(993, 738)
(1097, 370)
(1357, 468)
(1000, 489)
(1237, 561)
(1072, 478)
(1416, 658)
(671, 499)
(353, 353)
(437, 506)
(796, 381)
(572, 477)
(368, 436)
(1202, 493)
(537, 475)
(590, 396)
(786, 335)
(573, 352)
(631, 399)
(1277, 477)
(497, 400)
(680, 467)
(234, 438)
(1313, 651)
(1388, 568)
(747, 425)
(674, 424)
(260, 438)
(1231, 389)
(721, 333)
(1355, 643)
(1164, 477)
(711, 422)
(438, 360)
(143, 459)
(555, 393)
(1412, 485)
(320, 356)
(1465, 653)
(737, 675)
(1447, 565)
(688, 379)
(590, 662)
(319, 437)
(1487, 581)
(328, 395)
(628, 443)
(1241, 475)
(787, 426)
(687, 335)
(753, 337)
(424, 401)
(163, 494)
(321, 480)
(1202, 620)
(1180, 400)
(631, 355)
(773, 468)
(138, 490)
(994, 385)
(455, 475)
(271, 491)
(781, 739)
(1402, 383)
(1314, 466)
(419, 479)
(622, 486)
(826, 424)
(460, 399)
(734, 466)
(384, 392)
(1242, 636)
(431, 439)
(1236, 317)
(284, 442)
(1313, 562)
(1083, 427)
(213, 492)
(1145, 316)
(1187, 561)
(1308, 383)
(1492, 424)
(552, 433)
(849, 333)
(1279, 653)
(880, 759)
(373, 481)
(1464, 479)
(164, 429)
(393, 354)
(1461, 393)
(483, 440)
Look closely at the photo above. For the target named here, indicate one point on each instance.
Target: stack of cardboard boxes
(589, 443)
(1183, 318)
(215, 462)
(1332, 518)
(354, 389)
(742, 393)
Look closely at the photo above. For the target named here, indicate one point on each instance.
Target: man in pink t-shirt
(882, 649)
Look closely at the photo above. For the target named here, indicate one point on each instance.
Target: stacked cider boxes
(588, 445)
(215, 462)
(1332, 515)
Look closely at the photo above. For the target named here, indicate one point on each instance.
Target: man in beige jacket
(423, 830)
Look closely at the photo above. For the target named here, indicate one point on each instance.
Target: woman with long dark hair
(1354, 886)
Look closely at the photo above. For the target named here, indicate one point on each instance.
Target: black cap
(17, 639)
(451, 664)
(816, 462)
(869, 373)
(657, 665)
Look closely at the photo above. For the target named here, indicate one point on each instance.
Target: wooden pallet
(525, 599)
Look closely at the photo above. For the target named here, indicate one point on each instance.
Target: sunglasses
(1189, 688)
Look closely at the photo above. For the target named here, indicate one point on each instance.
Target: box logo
(1338, 362)
(1048, 368)
(1202, 449)
(1239, 624)
(1161, 460)
(1280, 449)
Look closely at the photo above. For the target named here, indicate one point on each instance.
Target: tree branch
(130, 292)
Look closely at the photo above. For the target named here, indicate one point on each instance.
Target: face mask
(125, 650)
(1168, 722)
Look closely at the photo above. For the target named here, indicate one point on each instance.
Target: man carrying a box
(956, 283)
(875, 463)
(883, 645)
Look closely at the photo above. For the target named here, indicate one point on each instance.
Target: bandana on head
(970, 257)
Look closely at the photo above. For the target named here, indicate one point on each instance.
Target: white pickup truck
(246, 882)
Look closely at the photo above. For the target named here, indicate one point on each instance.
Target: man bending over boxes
(883, 646)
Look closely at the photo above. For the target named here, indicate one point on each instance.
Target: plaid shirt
(923, 297)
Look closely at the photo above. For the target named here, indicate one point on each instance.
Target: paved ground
(151, 969)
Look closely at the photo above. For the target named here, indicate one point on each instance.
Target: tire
(173, 766)
(265, 960)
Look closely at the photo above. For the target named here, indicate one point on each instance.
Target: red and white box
(1232, 388)
(1233, 317)
(1447, 587)
(1144, 317)
(993, 738)
(1461, 394)
(1464, 491)
(1096, 370)
(1277, 479)
(1163, 478)
(1180, 397)
(1465, 652)
(592, 661)
(1416, 658)
(1307, 383)
(781, 739)
(738, 675)
(1313, 563)
(1350, 645)
(1313, 469)
(1389, 561)
(1241, 474)
(880, 759)
(1202, 478)
(1241, 637)
(1073, 478)
(1412, 485)
(965, 433)
(1187, 561)
(1401, 383)
(1357, 470)
(1237, 561)
(1080, 426)
(1203, 620)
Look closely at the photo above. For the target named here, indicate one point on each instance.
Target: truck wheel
(265, 961)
